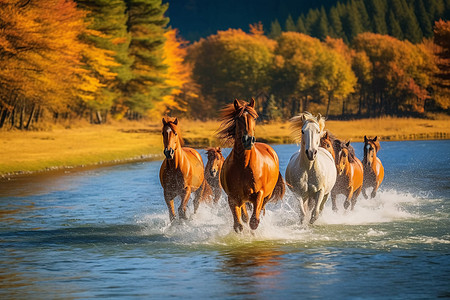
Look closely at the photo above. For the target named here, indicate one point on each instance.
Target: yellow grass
(22, 152)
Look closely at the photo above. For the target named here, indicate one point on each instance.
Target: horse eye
(176, 133)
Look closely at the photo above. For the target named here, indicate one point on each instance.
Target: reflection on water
(104, 233)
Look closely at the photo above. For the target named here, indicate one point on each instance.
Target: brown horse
(181, 172)
(373, 169)
(212, 171)
(251, 172)
(327, 142)
(350, 176)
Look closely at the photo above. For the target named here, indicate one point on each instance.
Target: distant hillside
(201, 18)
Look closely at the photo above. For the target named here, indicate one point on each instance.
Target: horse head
(215, 161)
(171, 139)
(344, 157)
(325, 142)
(312, 129)
(371, 147)
(245, 122)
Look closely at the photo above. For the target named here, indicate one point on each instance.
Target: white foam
(214, 223)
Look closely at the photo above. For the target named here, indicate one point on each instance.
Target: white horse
(311, 172)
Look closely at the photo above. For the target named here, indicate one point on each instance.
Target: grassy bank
(30, 151)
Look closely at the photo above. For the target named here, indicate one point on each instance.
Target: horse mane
(228, 116)
(297, 123)
(212, 150)
(170, 121)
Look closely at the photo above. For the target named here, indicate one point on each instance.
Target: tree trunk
(22, 115)
(99, 117)
(328, 105)
(30, 118)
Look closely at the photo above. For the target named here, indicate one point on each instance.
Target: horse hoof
(313, 219)
(238, 228)
(346, 204)
(335, 209)
(254, 223)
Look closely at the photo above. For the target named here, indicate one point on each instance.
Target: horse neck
(239, 153)
(178, 158)
(305, 163)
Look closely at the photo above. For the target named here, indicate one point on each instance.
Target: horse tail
(279, 190)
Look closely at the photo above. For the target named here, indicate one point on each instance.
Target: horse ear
(347, 144)
(252, 103)
(236, 104)
(375, 138)
(164, 122)
(365, 139)
(175, 121)
(325, 135)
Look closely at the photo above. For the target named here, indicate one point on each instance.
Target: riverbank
(24, 152)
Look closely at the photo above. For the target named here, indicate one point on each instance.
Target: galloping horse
(212, 171)
(350, 176)
(311, 172)
(327, 142)
(373, 169)
(251, 172)
(181, 172)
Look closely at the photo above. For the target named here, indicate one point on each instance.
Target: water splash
(212, 224)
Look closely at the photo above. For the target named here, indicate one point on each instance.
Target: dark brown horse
(212, 171)
(181, 172)
(251, 172)
(373, 168)
(350, 176)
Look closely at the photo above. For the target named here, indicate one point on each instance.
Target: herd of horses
(324, 166)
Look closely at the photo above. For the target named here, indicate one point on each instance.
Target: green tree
(394, 27)
(378, 9)
(146, 25)
(290, 25)
(423, 18)
(275, 29)
(321, 31)
(301, 25)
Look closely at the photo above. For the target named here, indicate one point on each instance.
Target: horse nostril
(315, 152)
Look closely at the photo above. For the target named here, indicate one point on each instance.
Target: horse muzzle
(248, 141)
(213, 173)
(311, 154)
(169, 153)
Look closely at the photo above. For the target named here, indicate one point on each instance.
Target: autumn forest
(122, 59)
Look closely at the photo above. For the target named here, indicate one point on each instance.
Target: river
(105, 233)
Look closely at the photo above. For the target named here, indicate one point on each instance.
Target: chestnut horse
(327, 142)
(373, 169)
(251, 172)
(212, 171)
(181, 172)
(350, 176)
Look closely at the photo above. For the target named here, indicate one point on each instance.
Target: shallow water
(105, 233)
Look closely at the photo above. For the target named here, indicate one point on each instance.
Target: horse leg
(349, 197)
(364, 193)
(236, 211)
(168, 197)
(355, 196)
(374, 191)
(254, 220)
(302, 209)
(184, 201)
(316, 209)
(217, 194)
(333, 201)
(323, 202)
(244, 213)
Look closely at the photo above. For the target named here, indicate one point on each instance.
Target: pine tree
(378, 9)
(311, 21)
(322, 25)
(301, 25)
(147, 25)
(365, 19)
(394, 27)
(290, 25)
(410, 25)
(352, 24)
(335, 30)
(422, 17)
(275, 29)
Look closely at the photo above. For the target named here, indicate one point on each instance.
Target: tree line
(374, 75)
(96, 59)
(402, 19)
